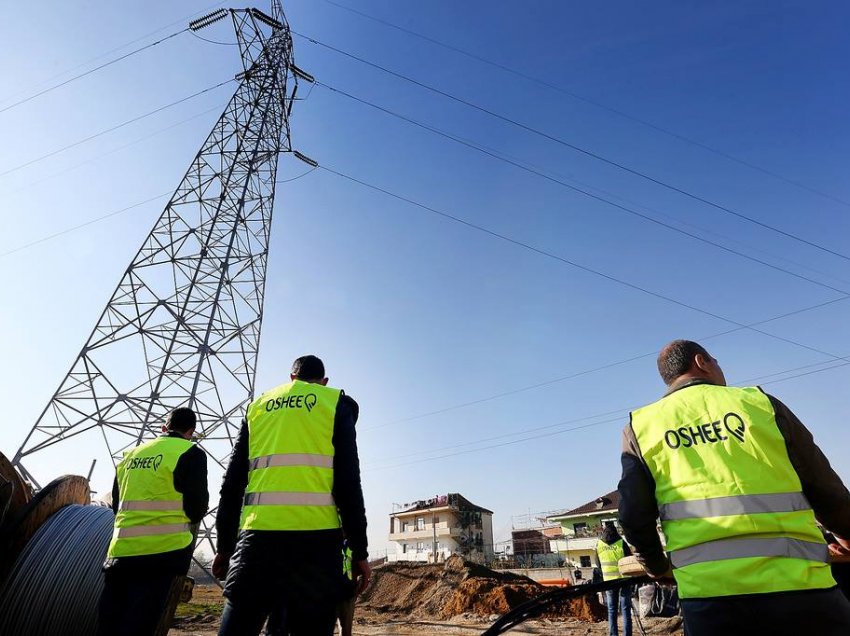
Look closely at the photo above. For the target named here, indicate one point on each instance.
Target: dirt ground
(420, 600)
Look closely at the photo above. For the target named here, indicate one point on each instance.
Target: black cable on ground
(535, 607)
(55, 585)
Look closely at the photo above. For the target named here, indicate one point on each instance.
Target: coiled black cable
(56, 582)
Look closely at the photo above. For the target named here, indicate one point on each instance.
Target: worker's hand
(221, 563)
(362, 574)
(839, 547)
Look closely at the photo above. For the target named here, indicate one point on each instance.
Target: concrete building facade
(431, 530)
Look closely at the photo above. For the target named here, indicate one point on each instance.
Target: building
(433, 529)
(531, 546)
(581, 528)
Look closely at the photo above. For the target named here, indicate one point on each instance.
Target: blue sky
(414, 313)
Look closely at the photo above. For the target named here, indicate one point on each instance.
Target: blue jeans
(625, 600)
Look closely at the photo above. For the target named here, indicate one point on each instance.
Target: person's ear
(324, 382)
(291, 376)
(164, 428)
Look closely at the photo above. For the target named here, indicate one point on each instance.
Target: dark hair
(676, 359)
(308, 368)
(181, 420)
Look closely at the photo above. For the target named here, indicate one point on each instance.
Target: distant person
(610, 549)
(292, 487)
(738, 484)
(159, 496)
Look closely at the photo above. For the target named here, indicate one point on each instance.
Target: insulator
(205, 21)
(300, 74)
(305, 159)
(266, 19)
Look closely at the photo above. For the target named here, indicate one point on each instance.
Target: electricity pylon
(183, 326)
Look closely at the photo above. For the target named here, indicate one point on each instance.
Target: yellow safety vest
(609, 557)
(291, 453)
(731, 504)
(150, 517)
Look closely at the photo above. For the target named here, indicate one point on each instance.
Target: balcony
(443, 529)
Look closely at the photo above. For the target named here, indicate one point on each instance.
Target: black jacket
(347, 491)
(190, 479)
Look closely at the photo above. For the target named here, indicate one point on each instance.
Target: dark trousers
(132, 603)
(821, 612)
(269, 572)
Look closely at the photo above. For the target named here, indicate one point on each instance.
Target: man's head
(308, 369)
(182, 421)
(685, 360)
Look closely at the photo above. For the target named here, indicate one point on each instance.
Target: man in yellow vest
(292, 488)
(738, 484)
(159, 496)
(609, 550)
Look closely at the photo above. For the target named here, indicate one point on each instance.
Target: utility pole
(182, 328)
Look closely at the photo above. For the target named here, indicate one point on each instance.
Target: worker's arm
(115, 495)
(347, 490)
(190, 479)
(232, 494)
(825, 491)
(638, 509)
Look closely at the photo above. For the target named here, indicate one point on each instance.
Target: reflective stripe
(289, 499)
(292, 459)
(734, 505)
(151, 505)
(144, 531)
(608, 563)
(744, 548)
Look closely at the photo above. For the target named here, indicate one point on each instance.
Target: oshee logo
(709, 433)
(292, 402)
(152, 462)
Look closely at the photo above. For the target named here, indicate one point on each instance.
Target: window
(404, 548)
(420, 523)
(436, 520)
(579, 527)
(404, 526)
(585, 561)
(420, 547)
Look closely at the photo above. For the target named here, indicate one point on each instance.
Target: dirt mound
(428, 591)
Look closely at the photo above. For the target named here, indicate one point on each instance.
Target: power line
(576, 265)
(805, 370)
(581, 150)
(567, 430)
(527, 168)
(113, 128)
(118, 48)
(596, 104)
(584, 372)
(114, 150)
(81, 225)
(90, 71)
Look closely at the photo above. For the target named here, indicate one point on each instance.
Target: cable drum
(56, 582)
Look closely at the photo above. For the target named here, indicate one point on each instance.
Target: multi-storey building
(581, 528)
(430, 530)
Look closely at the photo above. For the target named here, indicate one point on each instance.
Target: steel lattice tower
(183, 325)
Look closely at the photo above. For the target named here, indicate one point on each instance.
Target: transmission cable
(594, 103)
(114, 128)
(90, 71)
(581, 150)
(577, 374)
(574, 264)
(566, 430)
(623, 412)
(81, 225)
(529, 169)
